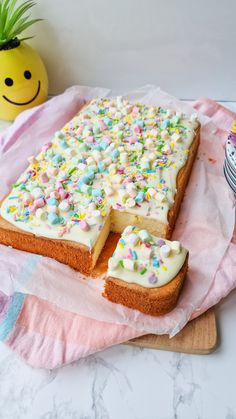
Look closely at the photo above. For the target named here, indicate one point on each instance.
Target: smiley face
(23, 81)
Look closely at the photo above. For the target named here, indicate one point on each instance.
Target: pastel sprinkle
(152, 279)
(135, 256)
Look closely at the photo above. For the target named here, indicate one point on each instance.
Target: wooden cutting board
(198, 337)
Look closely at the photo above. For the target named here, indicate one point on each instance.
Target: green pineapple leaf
(14, 20)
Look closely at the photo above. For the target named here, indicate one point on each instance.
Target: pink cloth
(60, 336)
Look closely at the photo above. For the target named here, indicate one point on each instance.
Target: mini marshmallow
(87, 131)
(115, 153)
(176, 138)
(130, 186)
(112, 110)
(89, 139)
(62, 174)
(117, 179)
(127, 230)
(44, 177)
(96, 215)
(120, 135)
(84, 225)
(133, 238)
(52, 209)
(137, 129)
(131, 189)
(180, 115)
(92, 207)
(119, 102)
(138, 146)
(152, 156)
(149, 143)
(123, 193)
(97, 155)
(37, 192)
(176, 247)
(62, 193)
(164, 134)
(112, 169)
(124, 157)
(70, 152)
(165, 251)
(54, 194)
(121, 126)
(52, 171)
(151, 192)
(129, 264)
(49, 190)
(154, 132)
(130, 203)
(109, 191)
(145, 164)
(194, 117)
(27, 198)
(53, 218)
(140, 196)
(166, 149)
(31, 209)
(90, 161)
(107, 161)
(60, 135)
(84, 188)
(64, 206)
(39, 203)
(41, 214)
(144, 235)
(151, 112)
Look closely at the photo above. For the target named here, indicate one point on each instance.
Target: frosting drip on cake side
(143, 259)
(112, 154)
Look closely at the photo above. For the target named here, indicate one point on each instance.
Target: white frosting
(112, 154)
(143, 259)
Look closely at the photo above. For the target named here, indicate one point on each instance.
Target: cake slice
(145, 272)
(114, 164)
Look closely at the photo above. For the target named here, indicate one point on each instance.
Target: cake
(145, 272)
(114, 164)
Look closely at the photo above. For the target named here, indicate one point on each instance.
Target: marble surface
(125, 382)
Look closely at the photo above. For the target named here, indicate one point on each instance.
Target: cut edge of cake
(154, 301)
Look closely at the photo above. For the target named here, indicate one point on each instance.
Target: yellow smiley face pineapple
(23, 77)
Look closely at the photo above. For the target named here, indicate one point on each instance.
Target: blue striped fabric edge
(11, 316)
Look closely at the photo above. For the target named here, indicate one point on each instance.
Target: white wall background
(187, 47)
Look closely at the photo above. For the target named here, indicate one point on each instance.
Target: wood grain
(198, 337)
